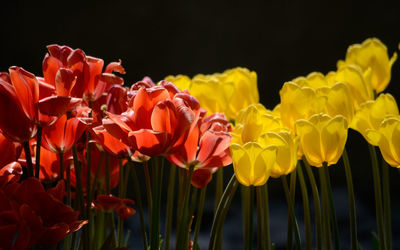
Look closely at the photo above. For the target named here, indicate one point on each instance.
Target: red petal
(58, 192)
(201, 177)
(115, 67)
(64, 81)
(20, 128)
(50, 67)
(54, 105)
(149, 142)
(27, 90)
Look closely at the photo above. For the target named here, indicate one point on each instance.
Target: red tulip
(19, 128)
(10, 150)
(81, 75)
(34, 216)
(39, 108)
(158, 120)
(63, 134)
(111, 203)
(206, 147)
(109, 143)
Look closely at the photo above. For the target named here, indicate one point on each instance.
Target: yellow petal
(241, 164)
(333, 139)
(310, 142)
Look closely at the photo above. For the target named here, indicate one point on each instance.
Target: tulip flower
(372, 113)
(233, 90)
(83, 74)
(387, 138)
(20, 128)
(158, 119)
(10, 150)
(322, 138)
(38, 107)
(206, 147)
(35, 216)
(372, 56)
(299, 99)
(63, 134)
(111, 203)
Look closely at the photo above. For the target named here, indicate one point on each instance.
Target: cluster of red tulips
(69, 142)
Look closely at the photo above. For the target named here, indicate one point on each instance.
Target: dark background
(280, 40)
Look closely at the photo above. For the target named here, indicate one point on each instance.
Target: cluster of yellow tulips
(309, 125)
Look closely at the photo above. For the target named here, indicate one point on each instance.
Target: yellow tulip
(387, 137)
(322, 138)
(226, 92)
(301, 102)
(352, 75)
(372, 113)
(286, 146)
(252, 163)
(298, 103)
(258, 129)
(371, 55)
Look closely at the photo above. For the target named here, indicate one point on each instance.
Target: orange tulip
(63, 134)
(158, 120)
(75, 74)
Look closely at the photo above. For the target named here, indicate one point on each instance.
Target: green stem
(88, 190)
(155, 216)
(138, 199)
(183, 228)
(265, 203)
(263, 238)
(317, 206)
(148, 187)
(222, 210)
(78, 174)
(170, 202)
(121, 195)
(250, 191)
(306, 206)
(218, 193)
(332, 208)
(378, 196)
(28, 158)
(289, 235)
(245, 198)
(386, 202)
(199, 215)
(352, 202)
(291, 211)
(37, 156)
(68, 185)
(61, 156)
(325, 208)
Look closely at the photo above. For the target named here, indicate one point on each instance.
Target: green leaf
(375, 241)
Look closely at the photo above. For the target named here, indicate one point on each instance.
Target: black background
(280, 40)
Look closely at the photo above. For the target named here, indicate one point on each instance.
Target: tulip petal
(64, 81)
(149, 142)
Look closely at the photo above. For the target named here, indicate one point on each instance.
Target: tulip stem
(148, 187)
(138, 199)
(156, 192)
(222, 210)
(325, 208)
(263, 210)
(245, 198)
(218, 193)
(289, 236)
(250, 191)
(183, 228)
(120, 194)
(306, 206)
(108, 175)
(352, 202)
(317, 206)
(170, 202)
(291, 211)
(199, 216)
(69, 185)
(37, 156)
(28, 158)
(332, 207)
(61, 156)
(378, 196)
(78, 174)
(386, 200)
